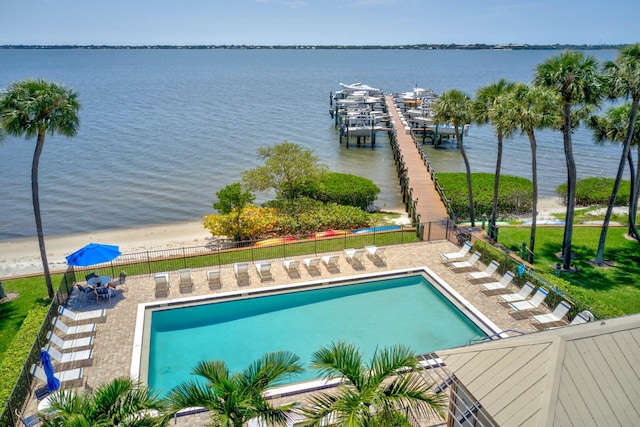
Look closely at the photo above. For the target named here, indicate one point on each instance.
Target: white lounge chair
(72, 330)
(185, 281)
(526, 290)
(83, 315)
(63, 376)
(68, 344)
(241, 271)
(375, 253)
(584, 316)
(452, 256)
(331, 261)
(532, 303)
(312, 264)
(354, 255)
(502, 284)
(291, 265)
(488, 272)
(264, 270)
(74, 356)
(162, 283)
(468, 263)
(213, 277)
(556, 316)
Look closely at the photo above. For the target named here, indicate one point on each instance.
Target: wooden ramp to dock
(429, 206)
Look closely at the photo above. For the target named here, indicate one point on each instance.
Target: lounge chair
(73, 357)
(453, 256)
(331, 262)
(213, 277)
(84, 315)
(375, 253)
(162, 283)
(30, 421)
(584, 316)
(526, 290)
(354, 255)
(502, 284)
(532, 303)
(185, 281)
(487, 273)
(241, 271)
(72, 330)
(264, 271)
(312, 265)
(68, 344)
(71, 375)
(292, 266)
(468, 263)
(556, 316)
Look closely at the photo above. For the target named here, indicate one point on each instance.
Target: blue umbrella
(52, 382)
(93, 253)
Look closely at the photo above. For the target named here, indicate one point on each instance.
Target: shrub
(515, 196)
(343, 189)
(597, 191)
(325, 217)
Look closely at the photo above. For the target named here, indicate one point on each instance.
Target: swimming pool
(240, 327)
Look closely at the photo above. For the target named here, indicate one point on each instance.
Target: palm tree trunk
(633, 202)
(616, 185)
(534, 206)
(468, 168)
(36, 210)
(571, 187)
(496, 189)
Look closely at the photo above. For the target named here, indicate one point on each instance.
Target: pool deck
(114, 334)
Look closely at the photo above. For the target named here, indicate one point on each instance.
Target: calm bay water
(163, 130)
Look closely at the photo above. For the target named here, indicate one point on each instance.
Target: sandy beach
(22, 256)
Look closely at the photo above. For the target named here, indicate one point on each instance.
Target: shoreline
(22, 256)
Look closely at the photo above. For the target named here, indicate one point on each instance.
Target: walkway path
(430, 206)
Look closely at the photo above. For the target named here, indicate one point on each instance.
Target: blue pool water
(406, 310)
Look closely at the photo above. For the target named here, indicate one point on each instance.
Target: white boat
(363, 124)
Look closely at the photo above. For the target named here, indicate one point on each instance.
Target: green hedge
(514, 197)
(343, 189)
(597, 191)
(16, 354)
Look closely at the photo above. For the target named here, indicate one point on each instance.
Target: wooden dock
(426, 199)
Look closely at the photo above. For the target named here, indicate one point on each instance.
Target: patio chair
(530, 304)
(213, 277)
(487, 273)
(556, 316)
(69, 344)
(162, 283)
(502, 284)
(291, 266)
(354, 256)
(84, 290)
(241, 271)
(264, 271)
(584, 316)
(84, 315)
(72, 330)
(30, 421)
(103, 293)
(312, 265)
(185, 281)
(90, 276)
(73, 357)
(331, 262)
(122, 279)
(375, 253)
(69, 376)
(526, 290)
(453, 256)
(466, 264)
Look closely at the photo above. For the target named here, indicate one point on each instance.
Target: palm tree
(527, 108)
(623, 77)
(33, 108)
(483, 109)
(121, 402)
(576, 79)
(613, 127)
(371, 394)
(233, 399)
(454, 106)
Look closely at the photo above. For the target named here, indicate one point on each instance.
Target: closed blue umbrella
(52, 382)
(93, 253)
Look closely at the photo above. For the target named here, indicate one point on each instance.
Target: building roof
(576, 375)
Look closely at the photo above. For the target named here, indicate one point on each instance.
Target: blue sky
(321, 22)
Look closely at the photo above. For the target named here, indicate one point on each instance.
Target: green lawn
(618, 285)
